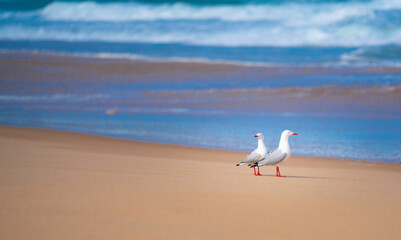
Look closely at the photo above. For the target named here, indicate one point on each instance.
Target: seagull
(275, 157)
(258, 154)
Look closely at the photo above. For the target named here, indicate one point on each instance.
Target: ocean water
(268, 32)
(213, 73)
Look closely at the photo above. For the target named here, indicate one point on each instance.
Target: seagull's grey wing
(252, 157)
(273, 158)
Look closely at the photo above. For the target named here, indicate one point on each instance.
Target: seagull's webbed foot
(259, 172)
(278, 172)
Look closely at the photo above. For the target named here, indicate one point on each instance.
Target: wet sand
(61, 185)
(175, 85)
(29, 66)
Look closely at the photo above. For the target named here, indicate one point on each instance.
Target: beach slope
(61, 185)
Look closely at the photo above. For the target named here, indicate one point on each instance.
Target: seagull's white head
(259, 136)
(288, 133)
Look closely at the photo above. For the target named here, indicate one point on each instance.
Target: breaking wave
(287, 24)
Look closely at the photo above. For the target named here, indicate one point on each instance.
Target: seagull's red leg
(278, 172)
(254, 171)
(259, 172)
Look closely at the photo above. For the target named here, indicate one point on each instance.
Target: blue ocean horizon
(209, 74)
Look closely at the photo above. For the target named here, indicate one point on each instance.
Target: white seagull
(258, 154)
(275, 157)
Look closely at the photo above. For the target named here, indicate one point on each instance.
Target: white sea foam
(290, 13)
(347, 36)
(45, 98)
(138, 57)
(287, 25)
(168, 110)
(388, 55)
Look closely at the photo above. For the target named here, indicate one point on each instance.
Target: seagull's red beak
(295, 134)
(256, 136)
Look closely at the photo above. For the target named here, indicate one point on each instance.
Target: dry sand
(60, 185)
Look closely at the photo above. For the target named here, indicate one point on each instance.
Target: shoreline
(351, 160)
(67, 185)
(39, 90)
(209, 65)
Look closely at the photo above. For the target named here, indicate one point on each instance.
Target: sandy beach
(126, 119)
(61, 185)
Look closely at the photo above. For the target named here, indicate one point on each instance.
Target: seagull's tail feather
(240, 164)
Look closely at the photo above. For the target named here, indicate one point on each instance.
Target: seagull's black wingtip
(254, 165)
(237, 165)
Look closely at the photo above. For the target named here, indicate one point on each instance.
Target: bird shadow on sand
(288, 176)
